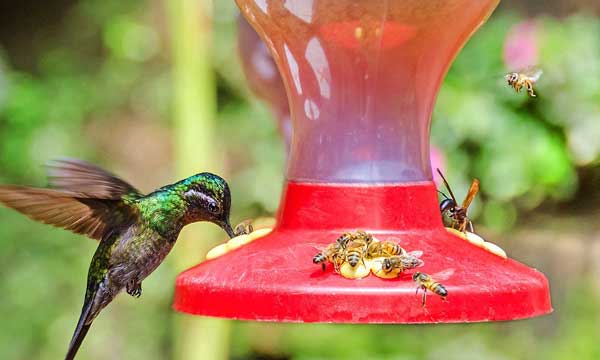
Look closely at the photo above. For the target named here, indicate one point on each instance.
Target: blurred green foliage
(107, 60)
(525, 151)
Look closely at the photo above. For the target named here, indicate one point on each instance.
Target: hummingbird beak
(228, 229)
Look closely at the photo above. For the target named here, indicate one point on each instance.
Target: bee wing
(534, 74)
(414, 263)
(535, 77)
(471, 194)
(416, 253)
(443, 275)
(317, 247)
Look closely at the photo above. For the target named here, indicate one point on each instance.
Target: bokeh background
(154, 91)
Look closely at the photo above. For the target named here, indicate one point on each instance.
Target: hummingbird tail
(80, 331)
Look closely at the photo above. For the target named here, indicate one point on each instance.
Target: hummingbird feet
(134, 290)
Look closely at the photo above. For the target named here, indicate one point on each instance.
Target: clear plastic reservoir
(362, 78)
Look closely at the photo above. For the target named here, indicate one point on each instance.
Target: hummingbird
(135, 231)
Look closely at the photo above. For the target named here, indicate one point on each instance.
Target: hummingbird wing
(81, 177)
(76, 212)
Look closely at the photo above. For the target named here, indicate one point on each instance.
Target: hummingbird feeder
(361, 79)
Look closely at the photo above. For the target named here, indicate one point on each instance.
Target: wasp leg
(323, 266)
(471, 226)
(462, 227)
(424, 298)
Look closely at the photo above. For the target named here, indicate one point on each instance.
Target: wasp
(458, 214)
(384, 248)
(525, 79)
(426, 282)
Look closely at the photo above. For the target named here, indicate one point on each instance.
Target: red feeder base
(274, 279)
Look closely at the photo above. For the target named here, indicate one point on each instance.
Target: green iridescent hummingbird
(136, 231)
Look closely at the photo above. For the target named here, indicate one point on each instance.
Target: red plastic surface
(274, 278)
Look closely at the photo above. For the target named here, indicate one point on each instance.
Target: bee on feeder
(427, 282)
(244, 228)
(336, 253)
(384, 248)
(403, 262)
(393, 266)
(525, 79)
(356, 251)
(360, 235)
(332, 253)
(457, 213)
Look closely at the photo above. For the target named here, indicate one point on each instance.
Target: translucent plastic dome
(361, 78)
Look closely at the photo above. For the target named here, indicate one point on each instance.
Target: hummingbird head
(208, 199)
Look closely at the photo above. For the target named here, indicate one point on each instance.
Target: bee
(426, 282)
(458, 214)
(526, 79)
(384, 248)
(349, 236)
(336, 252)
(331, 253)
(356, 250)
(243, 228)
(402, 262)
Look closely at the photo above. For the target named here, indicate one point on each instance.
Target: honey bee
(458, 214)
(384, 248)
(349, 236)
(331, 253)
(402, 262)
(337, 252)
(356, 249)
(426, 282)
(243, 228)
(526, 79)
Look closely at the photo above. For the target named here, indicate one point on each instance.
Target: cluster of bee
(356, 254)
(523, 80)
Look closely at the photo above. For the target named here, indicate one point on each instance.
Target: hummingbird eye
(213, 207)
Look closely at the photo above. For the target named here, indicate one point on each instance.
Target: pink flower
(521, 46)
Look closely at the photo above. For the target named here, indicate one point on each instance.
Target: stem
(194, 99)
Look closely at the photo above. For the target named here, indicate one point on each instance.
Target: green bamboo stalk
(194, 91)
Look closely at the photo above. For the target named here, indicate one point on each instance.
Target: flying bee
(525, 79)
(403, 262)
(384, 248)
(458, 214)
(331, 253)
(426, 282)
